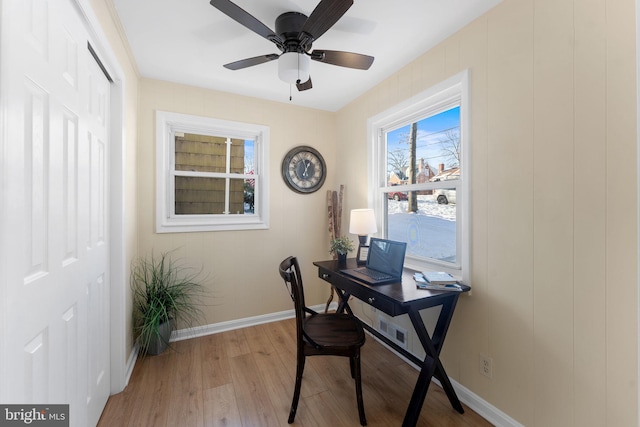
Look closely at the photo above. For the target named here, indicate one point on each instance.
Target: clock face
(304, 170)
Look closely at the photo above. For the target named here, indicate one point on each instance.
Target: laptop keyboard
(375, 275)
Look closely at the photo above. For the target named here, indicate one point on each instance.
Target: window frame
(440, 97)
(167, 125)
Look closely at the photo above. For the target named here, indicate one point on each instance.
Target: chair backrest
(290, 273)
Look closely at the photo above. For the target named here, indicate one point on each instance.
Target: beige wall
(241, 266)
(554, 196)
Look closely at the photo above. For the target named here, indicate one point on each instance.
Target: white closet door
(54, 248)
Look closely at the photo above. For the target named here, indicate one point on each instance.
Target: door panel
(54, 250)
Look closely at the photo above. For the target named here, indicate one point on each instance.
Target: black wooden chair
(322, 334)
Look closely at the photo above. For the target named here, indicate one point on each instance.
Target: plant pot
(342, 258)
(159, 343)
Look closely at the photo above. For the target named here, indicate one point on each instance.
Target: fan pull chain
(290, 97)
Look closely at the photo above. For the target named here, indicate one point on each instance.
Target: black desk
(396, 299)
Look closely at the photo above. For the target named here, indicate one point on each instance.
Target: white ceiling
(188, 41)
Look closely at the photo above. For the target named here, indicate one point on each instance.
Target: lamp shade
(362, 222)
(293, 66)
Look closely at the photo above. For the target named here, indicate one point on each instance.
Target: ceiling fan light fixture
(293, 66)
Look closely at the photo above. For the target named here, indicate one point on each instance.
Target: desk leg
(343, 305)
(431, 365)
(419, 393)
(439, 333)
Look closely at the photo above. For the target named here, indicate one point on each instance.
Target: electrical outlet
(486, 366)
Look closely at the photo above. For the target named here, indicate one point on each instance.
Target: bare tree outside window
(397, 162)
(450, 147)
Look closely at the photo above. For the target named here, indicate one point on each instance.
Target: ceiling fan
(294, 36)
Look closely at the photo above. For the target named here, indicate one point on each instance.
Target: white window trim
(167, 124)
(416, 107)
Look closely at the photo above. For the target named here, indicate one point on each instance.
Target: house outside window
(211, 174)
(418, 154)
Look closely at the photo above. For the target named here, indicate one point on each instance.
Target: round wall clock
(303, 169)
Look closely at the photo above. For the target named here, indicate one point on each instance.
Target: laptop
(385, 261)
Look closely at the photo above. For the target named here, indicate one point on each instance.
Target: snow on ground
(427, 205)
(429, 232)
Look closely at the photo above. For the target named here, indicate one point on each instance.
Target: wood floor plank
(120, 406)
(186, 409)
(220, 407)
(316, 412)
(236, 343)
(251, 393)
(186, 402)
(215, 361)
(188, 366)
(278, 379)
(152, 401)
(245, 378)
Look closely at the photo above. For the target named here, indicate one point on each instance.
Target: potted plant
(163, 293)
(341, 246)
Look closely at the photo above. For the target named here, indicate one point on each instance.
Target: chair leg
(296, 392)
(358, 377)
(352, 365)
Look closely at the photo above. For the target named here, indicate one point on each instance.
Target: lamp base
(363, 250)
(361, 257)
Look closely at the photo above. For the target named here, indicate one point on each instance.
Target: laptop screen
(386, 256)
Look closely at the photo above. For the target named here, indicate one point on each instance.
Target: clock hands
(306, 166)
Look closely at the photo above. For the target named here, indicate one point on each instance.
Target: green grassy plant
(163, 291)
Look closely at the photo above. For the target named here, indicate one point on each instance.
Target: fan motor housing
(288, 27)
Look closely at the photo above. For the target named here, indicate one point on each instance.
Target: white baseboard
(200, 331)
(131, 362)
(487, 411)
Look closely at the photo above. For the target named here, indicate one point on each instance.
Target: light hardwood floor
(245, 378)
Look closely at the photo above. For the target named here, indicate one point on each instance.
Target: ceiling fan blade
(326, 13)
(304, 86)
(243, 17)
(343, 59)
(249, 62)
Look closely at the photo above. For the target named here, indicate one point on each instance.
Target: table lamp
(362, 223)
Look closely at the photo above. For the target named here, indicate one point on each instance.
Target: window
(211, 174)
(418, 182)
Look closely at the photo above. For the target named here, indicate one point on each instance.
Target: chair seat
(334, 330)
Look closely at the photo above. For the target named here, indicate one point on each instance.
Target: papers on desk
(423, 283)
